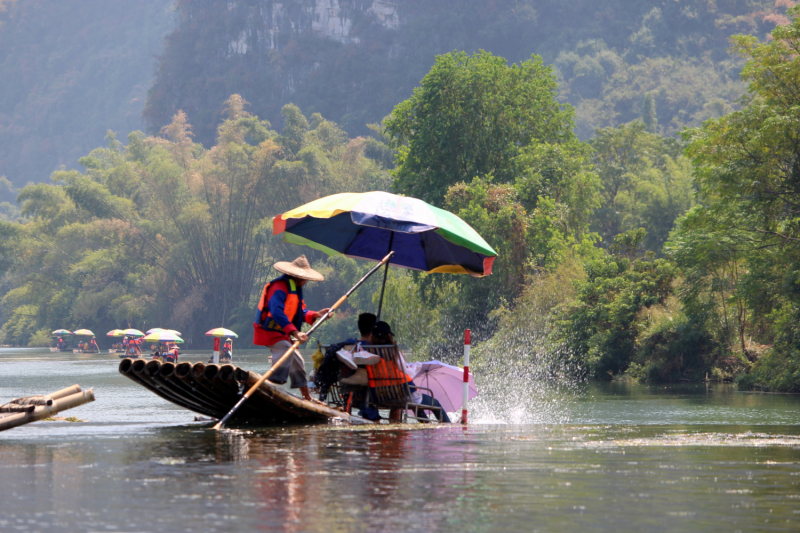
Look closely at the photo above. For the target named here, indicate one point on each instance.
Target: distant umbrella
(133, 332)
(154, 330)
(221, 332)
(83, 332)
(115, 333)
(162, 336)
(62, 332)
(174, 332)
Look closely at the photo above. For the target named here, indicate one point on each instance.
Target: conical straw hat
(299, 268)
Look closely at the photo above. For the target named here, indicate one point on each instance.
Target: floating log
(212, 390)
(32, 408)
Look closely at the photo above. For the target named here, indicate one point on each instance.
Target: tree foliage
(647, 183)
(472, 117)
(164, 231)
(740, 247)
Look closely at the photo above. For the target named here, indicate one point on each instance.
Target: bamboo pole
(51, 407)
(296, 344)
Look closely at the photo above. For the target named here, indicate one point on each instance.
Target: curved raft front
(212, 390)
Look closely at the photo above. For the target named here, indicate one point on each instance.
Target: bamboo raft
(32, 408)
(212, 390)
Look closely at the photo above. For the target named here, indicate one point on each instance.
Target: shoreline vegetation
(630, 256)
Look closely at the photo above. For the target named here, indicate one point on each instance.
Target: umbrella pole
(385, 275)
(296, 344)
(466, 376)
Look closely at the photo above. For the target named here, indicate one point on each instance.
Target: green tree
(603, 325)
(646, 182)
(748, 180)
(164, 231)
(649, 116)
(472, 117)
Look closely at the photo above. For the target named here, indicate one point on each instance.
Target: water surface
(605, 458)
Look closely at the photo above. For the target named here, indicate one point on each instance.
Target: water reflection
(632, 458)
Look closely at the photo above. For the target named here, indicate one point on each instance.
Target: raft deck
(212, 390)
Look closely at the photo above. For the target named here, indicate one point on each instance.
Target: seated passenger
(382, 335)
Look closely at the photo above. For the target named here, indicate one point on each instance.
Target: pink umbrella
(445, 381)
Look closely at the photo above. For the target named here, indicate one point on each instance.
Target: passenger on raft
(280, 315)
(366, 321)
(93, 345)
(60, 344)
(382, 335)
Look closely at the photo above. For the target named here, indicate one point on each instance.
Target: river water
(611, 457)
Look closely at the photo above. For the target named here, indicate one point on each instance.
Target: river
(604, 457)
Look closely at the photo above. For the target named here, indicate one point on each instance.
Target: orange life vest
(389, 374)
(290, 307)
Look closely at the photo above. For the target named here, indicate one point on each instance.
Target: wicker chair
(389, 388)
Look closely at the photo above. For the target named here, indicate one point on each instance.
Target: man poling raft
(280, 316)
(293, 347)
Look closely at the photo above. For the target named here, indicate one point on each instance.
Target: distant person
(60, 344)
(279, 318)
(93, 345)
(227, 352)
(171, 356)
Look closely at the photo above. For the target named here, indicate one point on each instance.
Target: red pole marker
(466, 376)
(216, 350)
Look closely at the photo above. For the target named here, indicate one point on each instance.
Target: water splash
(525, 375)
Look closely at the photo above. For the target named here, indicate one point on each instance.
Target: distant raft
(32, 408)
(212, 390)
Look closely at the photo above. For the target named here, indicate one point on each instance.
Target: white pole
(466, 376)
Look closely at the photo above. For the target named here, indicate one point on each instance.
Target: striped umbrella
(83, 332)
(133, 332)
(221, 332)
(62, 332)
(370, 225)
(115, 333)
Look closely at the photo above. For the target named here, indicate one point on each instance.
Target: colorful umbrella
(154, 330)
(174, 332)
(115, 333)
(162, 336)
(83, 332)
(221, 332)
(133, 332)
(369, 225)
(62, 332)
(445, 381)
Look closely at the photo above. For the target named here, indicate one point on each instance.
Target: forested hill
(353, 60)
(69, 71)
(73, 69)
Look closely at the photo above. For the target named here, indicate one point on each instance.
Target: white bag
(346, 358)
(360, 378)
